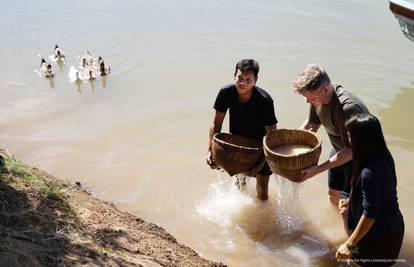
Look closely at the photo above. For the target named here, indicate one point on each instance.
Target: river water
(139, 137)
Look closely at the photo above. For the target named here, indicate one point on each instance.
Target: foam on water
(298, 254)
(227, 205)
(275, 225)
(223, 200)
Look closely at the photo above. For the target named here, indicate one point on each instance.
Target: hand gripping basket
(291, 166)
(237, 154)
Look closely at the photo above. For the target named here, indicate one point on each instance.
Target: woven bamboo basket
(237, 154)
(291, 166)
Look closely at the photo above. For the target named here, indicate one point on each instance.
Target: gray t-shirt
(334, 115)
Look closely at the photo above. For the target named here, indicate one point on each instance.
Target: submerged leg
(241, 182)
(334, 196)
(262, 186)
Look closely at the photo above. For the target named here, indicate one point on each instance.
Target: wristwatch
(349, 246)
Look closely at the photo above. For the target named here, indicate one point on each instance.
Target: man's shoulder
(350, 102)
(263, 94)
(229, 88)
(225, 97)
(227, 92)
(346, 97)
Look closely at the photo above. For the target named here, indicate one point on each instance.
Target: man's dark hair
(247, 65)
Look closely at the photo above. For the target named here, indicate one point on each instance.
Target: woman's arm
(364, 224)
(345, 250)
(371, 206)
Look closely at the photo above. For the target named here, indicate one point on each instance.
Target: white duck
(89, 73)
(104, 69)
(87, 60)
(45, 69)
(74, 75)
(43, 65)
(49, 73)
(58, 54)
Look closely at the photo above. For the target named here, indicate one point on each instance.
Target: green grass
(17, 170)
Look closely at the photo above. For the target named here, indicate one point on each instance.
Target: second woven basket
(290, 166)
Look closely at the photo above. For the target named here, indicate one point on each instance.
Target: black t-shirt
(375, 196)
(247, 118)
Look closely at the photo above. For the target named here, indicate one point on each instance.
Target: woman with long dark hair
(375, 221)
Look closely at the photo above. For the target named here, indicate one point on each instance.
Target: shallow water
(139, 136)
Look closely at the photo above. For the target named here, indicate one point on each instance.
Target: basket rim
(270, 151)
(215, 139)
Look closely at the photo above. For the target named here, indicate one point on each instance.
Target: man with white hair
(330, 106)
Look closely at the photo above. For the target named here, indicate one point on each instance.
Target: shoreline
(45, 221)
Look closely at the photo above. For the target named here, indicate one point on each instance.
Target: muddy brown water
(291, 150)
(138, 137)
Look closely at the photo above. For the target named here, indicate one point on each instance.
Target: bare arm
(341, 157)
(270, 127)
(310, 126)
(364, 225)
(215, 128)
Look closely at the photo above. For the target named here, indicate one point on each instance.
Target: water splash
(223, 200)
(288, 205)
(235, 203)
(299, 255)
(276, 226)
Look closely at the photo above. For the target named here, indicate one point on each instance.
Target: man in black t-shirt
(330, 106)
(251, 114)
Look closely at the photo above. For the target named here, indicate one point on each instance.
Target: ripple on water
(275, 226)
(222, 201)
